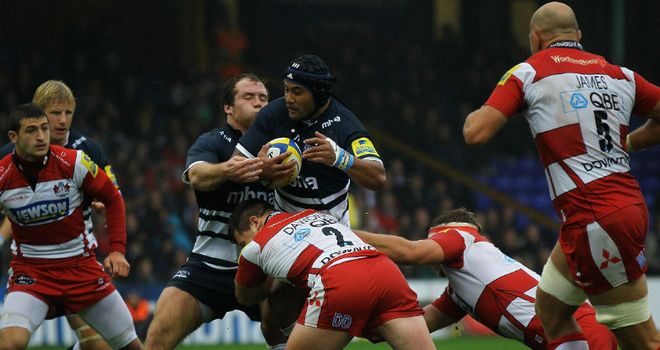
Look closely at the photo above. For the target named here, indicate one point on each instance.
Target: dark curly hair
(24, 111)
(456, 215)
(240, 218)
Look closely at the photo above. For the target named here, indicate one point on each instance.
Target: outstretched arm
(209, 176)
(442, 312)
(369, 174)
(436, 319)
(403, 251)
(646, 135)
(482, 124)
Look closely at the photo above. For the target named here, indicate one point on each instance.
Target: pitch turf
(462, 343)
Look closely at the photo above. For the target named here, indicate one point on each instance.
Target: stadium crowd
(146, 120)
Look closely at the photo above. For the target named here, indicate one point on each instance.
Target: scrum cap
(312, 73)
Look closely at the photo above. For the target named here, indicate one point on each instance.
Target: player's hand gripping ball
(277, 147)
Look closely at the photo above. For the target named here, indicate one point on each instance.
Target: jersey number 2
(329, 231)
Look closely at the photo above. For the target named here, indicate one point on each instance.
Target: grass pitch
(461, 343)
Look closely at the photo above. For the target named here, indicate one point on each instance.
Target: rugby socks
(573, 341)
(277, 347)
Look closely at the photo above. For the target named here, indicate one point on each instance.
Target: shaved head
(554, 18)
(552, 22)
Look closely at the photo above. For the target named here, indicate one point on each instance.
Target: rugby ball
(278, 146)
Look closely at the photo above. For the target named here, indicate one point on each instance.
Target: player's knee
(159, 324)
(96, 343)
(272, 332)
(12, 343)
(550, 311)
(624, 314)
(156, 336)
(88, 339)
(136, 344)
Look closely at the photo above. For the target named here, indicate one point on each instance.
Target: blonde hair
(53, 91)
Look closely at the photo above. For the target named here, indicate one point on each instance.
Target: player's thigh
(23, 310)
(87, 336)
(112, 320)
(177, 314)
(608, 252)
(305, 338)
(21, 315)
(75, 321)
(283, 304)
(630, 291)
(408, 333)
(557, 293)
(624, 309)
(213, 289)
(639, 336)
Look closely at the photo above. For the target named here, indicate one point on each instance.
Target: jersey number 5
(603, 130)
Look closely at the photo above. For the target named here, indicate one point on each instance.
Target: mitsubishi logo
(606, 262)
(314, 300)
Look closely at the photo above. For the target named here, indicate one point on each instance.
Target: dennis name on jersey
(313, 220)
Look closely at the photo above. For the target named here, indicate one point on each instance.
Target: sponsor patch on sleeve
(111, 175)
(508, 75)
(89, 164)
(363, 147)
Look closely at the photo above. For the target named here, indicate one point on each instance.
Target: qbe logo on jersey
(40, 212)
(573, 100)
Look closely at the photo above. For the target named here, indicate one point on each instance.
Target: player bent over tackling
(484, 282)
(354, 290)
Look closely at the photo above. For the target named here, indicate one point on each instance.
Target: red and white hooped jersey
(578, 107)
(500, 292)
(296, 247)
(487, 284)
(47, 220)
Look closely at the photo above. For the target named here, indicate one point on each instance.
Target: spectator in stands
(483, 282)
(600, 253)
